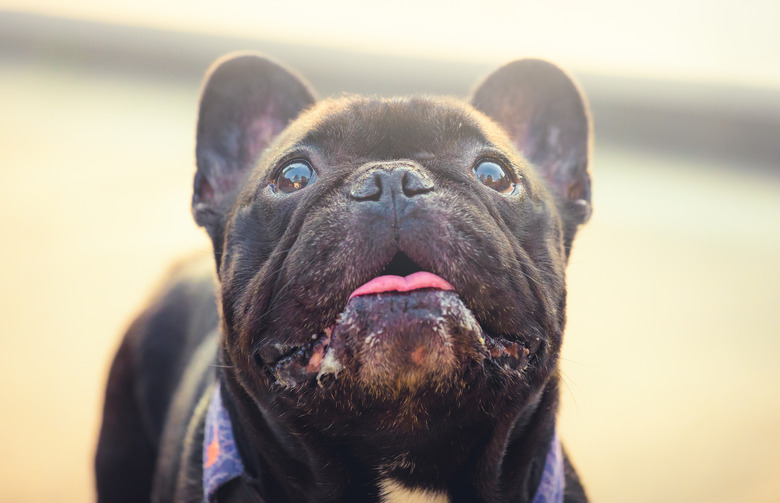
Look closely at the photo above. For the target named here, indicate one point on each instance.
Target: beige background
(670, 358)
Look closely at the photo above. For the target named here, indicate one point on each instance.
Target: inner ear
(247, 101)
(546, 116)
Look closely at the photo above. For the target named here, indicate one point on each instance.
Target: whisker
(569, 384)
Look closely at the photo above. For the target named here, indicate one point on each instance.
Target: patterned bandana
(550, 488)
(222, 463)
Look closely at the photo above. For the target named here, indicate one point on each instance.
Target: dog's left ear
(547, 118)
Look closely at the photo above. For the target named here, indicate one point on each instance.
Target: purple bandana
(222, 463)
(550, 488)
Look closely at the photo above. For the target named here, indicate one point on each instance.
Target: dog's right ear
(247, 101)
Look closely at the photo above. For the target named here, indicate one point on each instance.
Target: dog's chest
(394, 492)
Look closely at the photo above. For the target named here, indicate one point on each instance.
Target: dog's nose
(391, 181)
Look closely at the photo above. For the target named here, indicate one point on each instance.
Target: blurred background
(672, 386)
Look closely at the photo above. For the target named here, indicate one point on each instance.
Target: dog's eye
(494, 175)
(295, 176)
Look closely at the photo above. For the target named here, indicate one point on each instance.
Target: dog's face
(386, 264)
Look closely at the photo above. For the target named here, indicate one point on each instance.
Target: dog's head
(389, 263)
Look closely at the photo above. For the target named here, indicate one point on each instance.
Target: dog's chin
(399, 343)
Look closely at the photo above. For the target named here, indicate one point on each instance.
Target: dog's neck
(503, 464)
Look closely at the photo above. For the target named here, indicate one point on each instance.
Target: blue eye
(493, 175)
(294, 176)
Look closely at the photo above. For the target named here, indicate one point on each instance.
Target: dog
(388, 307)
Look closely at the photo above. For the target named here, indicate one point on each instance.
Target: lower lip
(415, 281)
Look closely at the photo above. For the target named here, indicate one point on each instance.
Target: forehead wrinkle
(389, 127)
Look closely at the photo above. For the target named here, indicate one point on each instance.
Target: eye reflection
(493, 175)
(295, 176)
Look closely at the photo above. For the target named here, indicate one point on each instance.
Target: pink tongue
(414, 281)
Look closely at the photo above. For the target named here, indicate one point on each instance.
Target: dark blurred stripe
(738, 124)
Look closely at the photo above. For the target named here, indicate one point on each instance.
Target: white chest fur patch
(393, 492)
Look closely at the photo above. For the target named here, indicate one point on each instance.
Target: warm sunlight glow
(670, 375)
(693, 40)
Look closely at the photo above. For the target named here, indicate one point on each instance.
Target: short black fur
(454, 393)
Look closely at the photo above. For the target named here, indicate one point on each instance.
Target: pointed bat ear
(546, 116)
(247, 101)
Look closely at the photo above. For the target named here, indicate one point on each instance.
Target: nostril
(390, 181)
(415, 183)
(368, 188)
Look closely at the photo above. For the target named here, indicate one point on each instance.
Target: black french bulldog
(389, 303)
